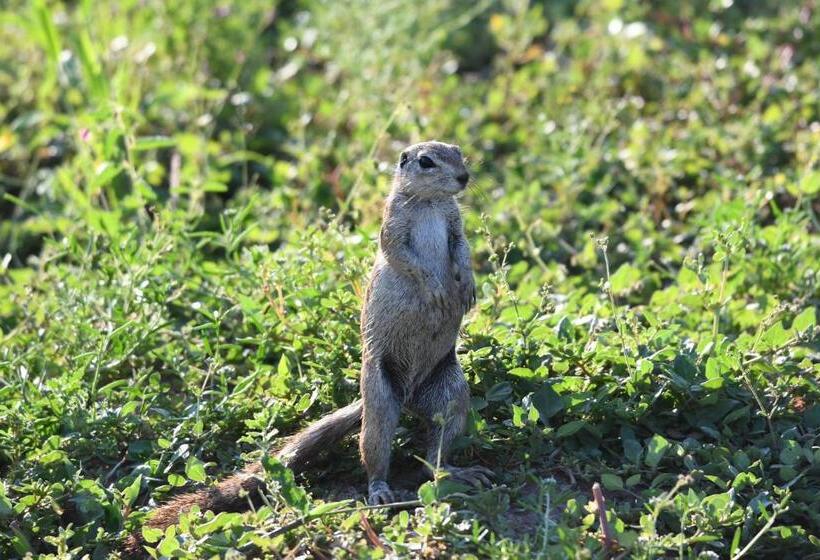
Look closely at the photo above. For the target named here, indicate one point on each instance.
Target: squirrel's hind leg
(379, 421)
(443, 401)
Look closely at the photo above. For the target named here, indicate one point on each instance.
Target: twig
(318, 553)
(756, 358)
(602, 245)
(114, 470)
(609, 540)
(546, 527)
(759, 534)
(173, 178)
(371, 535)
(719, 307)
(766, 413)
(306, 518)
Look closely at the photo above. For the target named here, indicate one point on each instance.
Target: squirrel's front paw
(468, 295)
(436, 294)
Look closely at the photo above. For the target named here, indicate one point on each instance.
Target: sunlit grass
(191, 197)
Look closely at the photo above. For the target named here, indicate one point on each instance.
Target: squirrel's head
(431, 170)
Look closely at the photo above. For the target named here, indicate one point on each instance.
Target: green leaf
(632, 447)
(523, 372)
(547, 402)
(775, 336)
(644, 367)
(656, 448)
(176, 479)
(560, 366)
(810, 183)
(736, 414)
(222, 519)
(90, 65)
(564, 329)
(805, 320)
(195, 469)
(48, 32)
(713, 384)
(570, 428)
(5, 504)
(146, 143)
(787, 473)
(353, 520)
(688, 280)
(20, 542)
(735, 542)
(132, 491)
(214, 187)
(717, 504)
(741, 460)
(713, 368)
(625, 278)
(684, 367)
(612, 481)
(169, 543)
(293, 494)
(52, 457)
(283, 369)
(811, 418)
(791, 452)
(517, 416)
(428, 493)
(328, 507)
(447, 487)
(499, 392)
(151, 534)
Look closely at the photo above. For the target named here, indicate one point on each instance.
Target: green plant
(191, 200)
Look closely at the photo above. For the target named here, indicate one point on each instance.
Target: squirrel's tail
(302, 448)
(236, 492)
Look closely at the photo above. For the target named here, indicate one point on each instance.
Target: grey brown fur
(420, 288)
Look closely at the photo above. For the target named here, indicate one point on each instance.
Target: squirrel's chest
(428, 237)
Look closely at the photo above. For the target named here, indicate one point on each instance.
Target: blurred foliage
(191, 195)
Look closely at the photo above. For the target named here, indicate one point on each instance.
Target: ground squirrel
(420, 288)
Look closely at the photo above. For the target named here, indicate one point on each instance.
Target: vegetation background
(191, 197)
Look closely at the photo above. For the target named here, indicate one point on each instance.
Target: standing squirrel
(420, 288)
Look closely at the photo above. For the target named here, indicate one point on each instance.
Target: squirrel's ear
(402, 159)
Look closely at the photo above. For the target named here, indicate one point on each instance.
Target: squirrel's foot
(476, 476)
(380, 493)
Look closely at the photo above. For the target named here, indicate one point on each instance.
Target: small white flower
(290, 44)
(635, 30)
(119, 43)
(751, 69)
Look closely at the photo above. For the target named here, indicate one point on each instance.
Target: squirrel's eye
(426, 162)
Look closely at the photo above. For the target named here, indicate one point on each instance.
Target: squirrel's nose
(463, 178)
